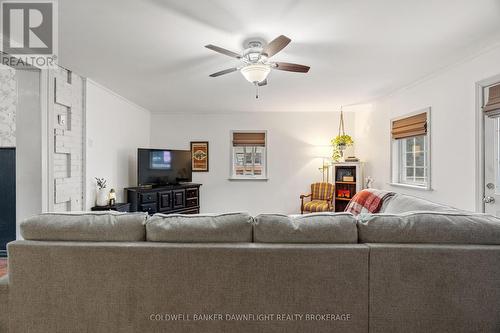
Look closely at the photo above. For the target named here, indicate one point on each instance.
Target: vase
(101, 197)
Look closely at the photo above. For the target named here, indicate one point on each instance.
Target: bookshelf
(348, 178)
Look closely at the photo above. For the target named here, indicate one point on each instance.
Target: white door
(491, 197)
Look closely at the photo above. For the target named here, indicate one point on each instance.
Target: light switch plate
(61, 119)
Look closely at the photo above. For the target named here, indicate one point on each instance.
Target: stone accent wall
(8, 102)
(68, 117)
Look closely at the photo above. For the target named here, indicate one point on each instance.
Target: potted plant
(101, 193)
(341, 141)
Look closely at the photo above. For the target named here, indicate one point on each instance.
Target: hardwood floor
(3, 267)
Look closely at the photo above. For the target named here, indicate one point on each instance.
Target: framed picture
(199, 156)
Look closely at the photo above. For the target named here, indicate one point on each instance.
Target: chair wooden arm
(329, 201)
(330, 205)
(302, 196)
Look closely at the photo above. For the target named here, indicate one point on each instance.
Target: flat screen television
(163, 166)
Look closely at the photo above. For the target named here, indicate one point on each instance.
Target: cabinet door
(179, 198)
(165, 199)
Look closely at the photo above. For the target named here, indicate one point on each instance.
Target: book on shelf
(352, 159)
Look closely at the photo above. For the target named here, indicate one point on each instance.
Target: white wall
(115, 128)
(8, 101)
(451, 95)
(295, 140)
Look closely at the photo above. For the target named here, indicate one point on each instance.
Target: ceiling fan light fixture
(255, 73)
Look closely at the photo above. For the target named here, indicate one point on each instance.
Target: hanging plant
(341, 141)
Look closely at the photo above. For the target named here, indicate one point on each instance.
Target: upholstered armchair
(321, 198)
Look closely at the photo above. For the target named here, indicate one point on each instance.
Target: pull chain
(256, 91)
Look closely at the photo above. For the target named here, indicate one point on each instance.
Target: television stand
(168, 199)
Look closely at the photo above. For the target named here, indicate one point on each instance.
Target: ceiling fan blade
(263, 83)
(276, 45)
(286, 66)
(226, 71)
(223, 51)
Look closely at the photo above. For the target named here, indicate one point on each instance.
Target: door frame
(480, 154)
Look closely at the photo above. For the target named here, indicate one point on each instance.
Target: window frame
(396, 154)
(232, 173)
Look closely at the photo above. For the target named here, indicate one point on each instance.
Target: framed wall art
(199, 156)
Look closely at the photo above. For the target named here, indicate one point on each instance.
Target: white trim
(235, 113)
(50, 140)
(479, 117)
(98, 85)
(45, 139)
(416, 187)
(84, 145)
(248, 178)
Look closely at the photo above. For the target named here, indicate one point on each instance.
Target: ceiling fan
(255, 64)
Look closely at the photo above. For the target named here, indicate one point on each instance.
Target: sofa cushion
(310, 228)
(429, 227)
(86, 226)
(200, 228)
(402, 203)
(317, 206)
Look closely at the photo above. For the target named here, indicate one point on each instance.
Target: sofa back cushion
(86, 226)
(200, 228)
(402, 203)
(310, 228)
(429, 227)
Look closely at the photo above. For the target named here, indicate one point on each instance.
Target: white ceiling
(151, 51)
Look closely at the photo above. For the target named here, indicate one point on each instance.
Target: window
(413, 161)
(248, 155)
(410, 151)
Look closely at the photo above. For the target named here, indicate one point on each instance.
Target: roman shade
(492, 108)
(415, 125)
(249, 139)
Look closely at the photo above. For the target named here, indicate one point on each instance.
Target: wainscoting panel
(8, 202)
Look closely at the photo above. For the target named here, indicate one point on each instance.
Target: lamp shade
(255, 73)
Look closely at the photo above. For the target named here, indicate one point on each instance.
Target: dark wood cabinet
(119, 207)
(182, 198)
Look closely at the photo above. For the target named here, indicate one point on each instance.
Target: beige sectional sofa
(434, 269)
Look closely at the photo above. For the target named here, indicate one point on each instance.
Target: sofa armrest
(4, 303)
